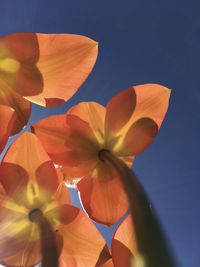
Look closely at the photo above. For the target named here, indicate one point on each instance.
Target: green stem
(49, 250)
(152, 245)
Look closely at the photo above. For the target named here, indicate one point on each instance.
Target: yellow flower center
(9, 65)
(20, 220)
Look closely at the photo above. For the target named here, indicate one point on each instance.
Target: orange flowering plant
(46, 69)
(93, 144)
(31, 190)
(125, 127)
(97, 145)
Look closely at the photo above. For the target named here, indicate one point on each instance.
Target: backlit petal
(29, 80)
(82, 142)
(14, 180)
(139, 136)
(23, 47)
(21, 106)
(7, 120)
(151, 102)
(62, 194)
(119, 110)
(108, 263)
(19, 53)
(80, 131)
(28, 153)
(52, 132)
(92, 113)
(68, 140)
(83, 245)
(16, 248)
(124, 246)
(47, 178)
(71, 173)
(151, 105)
(28, 255)
(103, 199)
(65, 62)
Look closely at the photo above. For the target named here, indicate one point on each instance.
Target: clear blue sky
(140, 41)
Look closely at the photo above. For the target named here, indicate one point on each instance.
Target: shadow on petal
(14, 180)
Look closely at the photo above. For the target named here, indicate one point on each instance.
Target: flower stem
(152, 246)
(49, 251)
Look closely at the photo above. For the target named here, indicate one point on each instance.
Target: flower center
(102, 153)
(9, 65)
(35, 214)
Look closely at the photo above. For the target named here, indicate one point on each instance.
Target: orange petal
(52, 132)
(74, 164)
(81, 142)
(14, 180)
(124, 246)
(151, 102)
(65, 62)
(29, 255)
(21, 106)
(105, 259)
(19, 54)
(18, 236)
(82, 243)
(62, 194)
(92, 113)
(86, 123)
(68, 140)
(68, 213)
(71, 176)
(104, 200)
(7, 120)
(28, 153)
(71, 173)
(2, 191)
(119, 110)
(47, 178)
(29, 80)
(108, 263)
(80, 132)
(23, 47)
(139, 136)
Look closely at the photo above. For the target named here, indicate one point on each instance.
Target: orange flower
(127, 125)
(124, 247)
(29, 184)
(7, 119)
(46, 69)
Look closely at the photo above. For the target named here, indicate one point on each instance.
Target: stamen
(33, 189)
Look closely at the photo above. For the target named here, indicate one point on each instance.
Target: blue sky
(140, 41)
